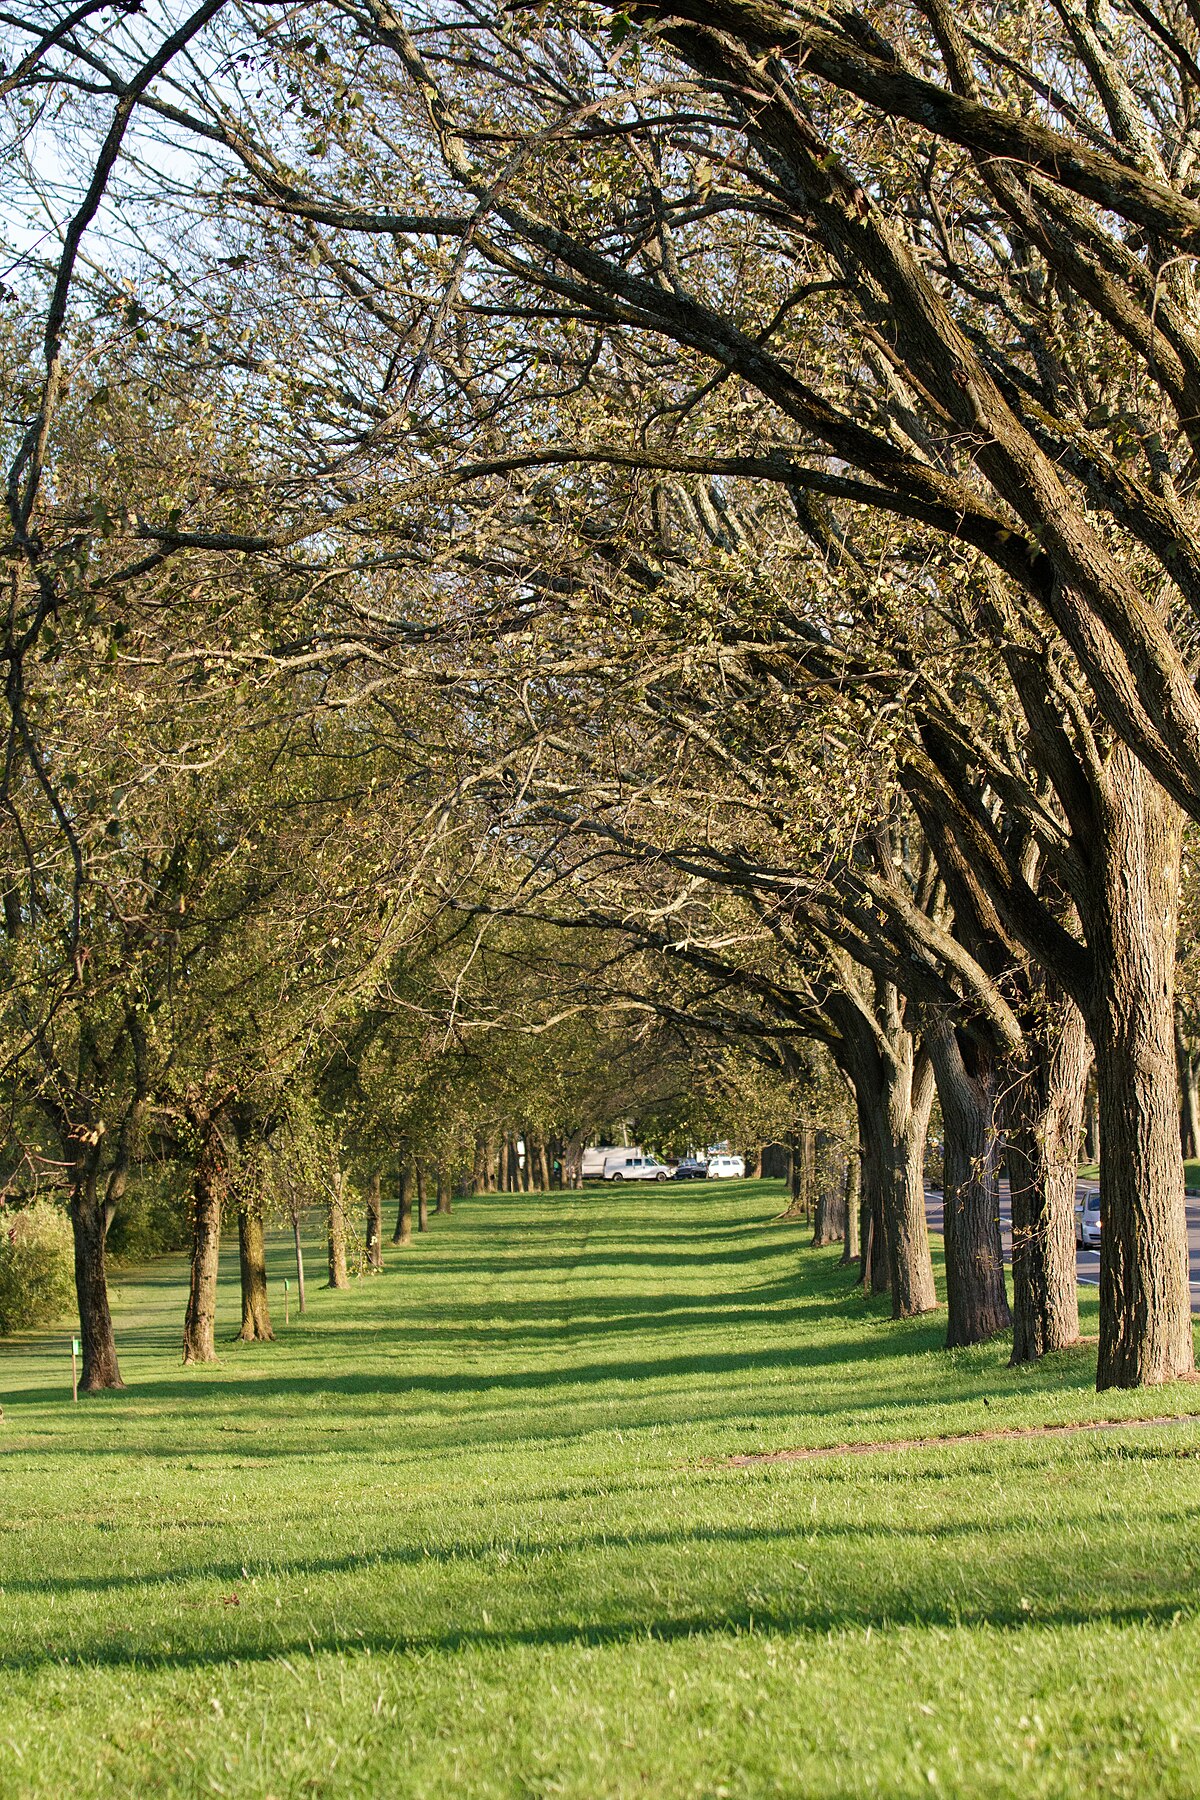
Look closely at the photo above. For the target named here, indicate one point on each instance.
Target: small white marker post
(75, 1370)
(286, 1309)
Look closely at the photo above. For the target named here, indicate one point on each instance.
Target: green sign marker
(76, 1347)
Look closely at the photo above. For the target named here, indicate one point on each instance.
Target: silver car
(1087, 1220)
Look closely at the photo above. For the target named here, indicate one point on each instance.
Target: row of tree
(710, 487)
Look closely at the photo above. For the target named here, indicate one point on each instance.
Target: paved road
(1087, 1262)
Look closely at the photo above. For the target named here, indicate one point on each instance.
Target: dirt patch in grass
(959, 1437)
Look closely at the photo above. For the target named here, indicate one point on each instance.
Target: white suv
(624, 1165)
(726, 1166)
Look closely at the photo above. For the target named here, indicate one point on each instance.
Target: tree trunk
(300, 1297)
(403, 1231)
(573, 1160)
(479, 1165)
(338, 1276)
(1092, 1138)
(836, 1203)
(976, 1300)
(1189, 1092)
(208, 1194)
(851, 1242)
(131, 1127)
(252, 1256)
(542, 1164)
(88, 1227)
(1043, 1117)
(375, 1224)
(829, 1222)
(1145, 1300)
(444, 1189)
(875, 1162)
(502, 1168)
(910, 1098)
(800, 1175)
(422, 1199)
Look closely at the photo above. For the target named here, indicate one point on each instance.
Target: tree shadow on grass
(1018, 1615)
(533, 1325)
(509, 1551)
(195, 1385)
(527, 1262)
(341, 1432)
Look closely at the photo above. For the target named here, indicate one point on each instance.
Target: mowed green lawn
(469, 1529)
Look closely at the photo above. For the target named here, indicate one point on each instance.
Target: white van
(591, 1164)
(726, 1168)
(633, 1165)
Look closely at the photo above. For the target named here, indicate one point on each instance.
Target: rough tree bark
(800, 1175)
(1145, 1300)
(444, 1189)
(1043, 1113)
(893, 1115)
(375, 1224)
(338, 1275)
(976, 1297)
(91, 1217)
(89, 1227)
(829, 1218)
(892, 1081)
(208, 1195)
(403, 1231)
(252, 1257)
(910, 1097)
(875, 1161)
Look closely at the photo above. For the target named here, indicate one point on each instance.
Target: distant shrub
(37, 1265)
(152, 1216)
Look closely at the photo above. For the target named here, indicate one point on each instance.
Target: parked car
(726, 1167)
(690, 1168)
(629, 1165)
(1087, 1220)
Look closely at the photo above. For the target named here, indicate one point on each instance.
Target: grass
(468, 1530)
